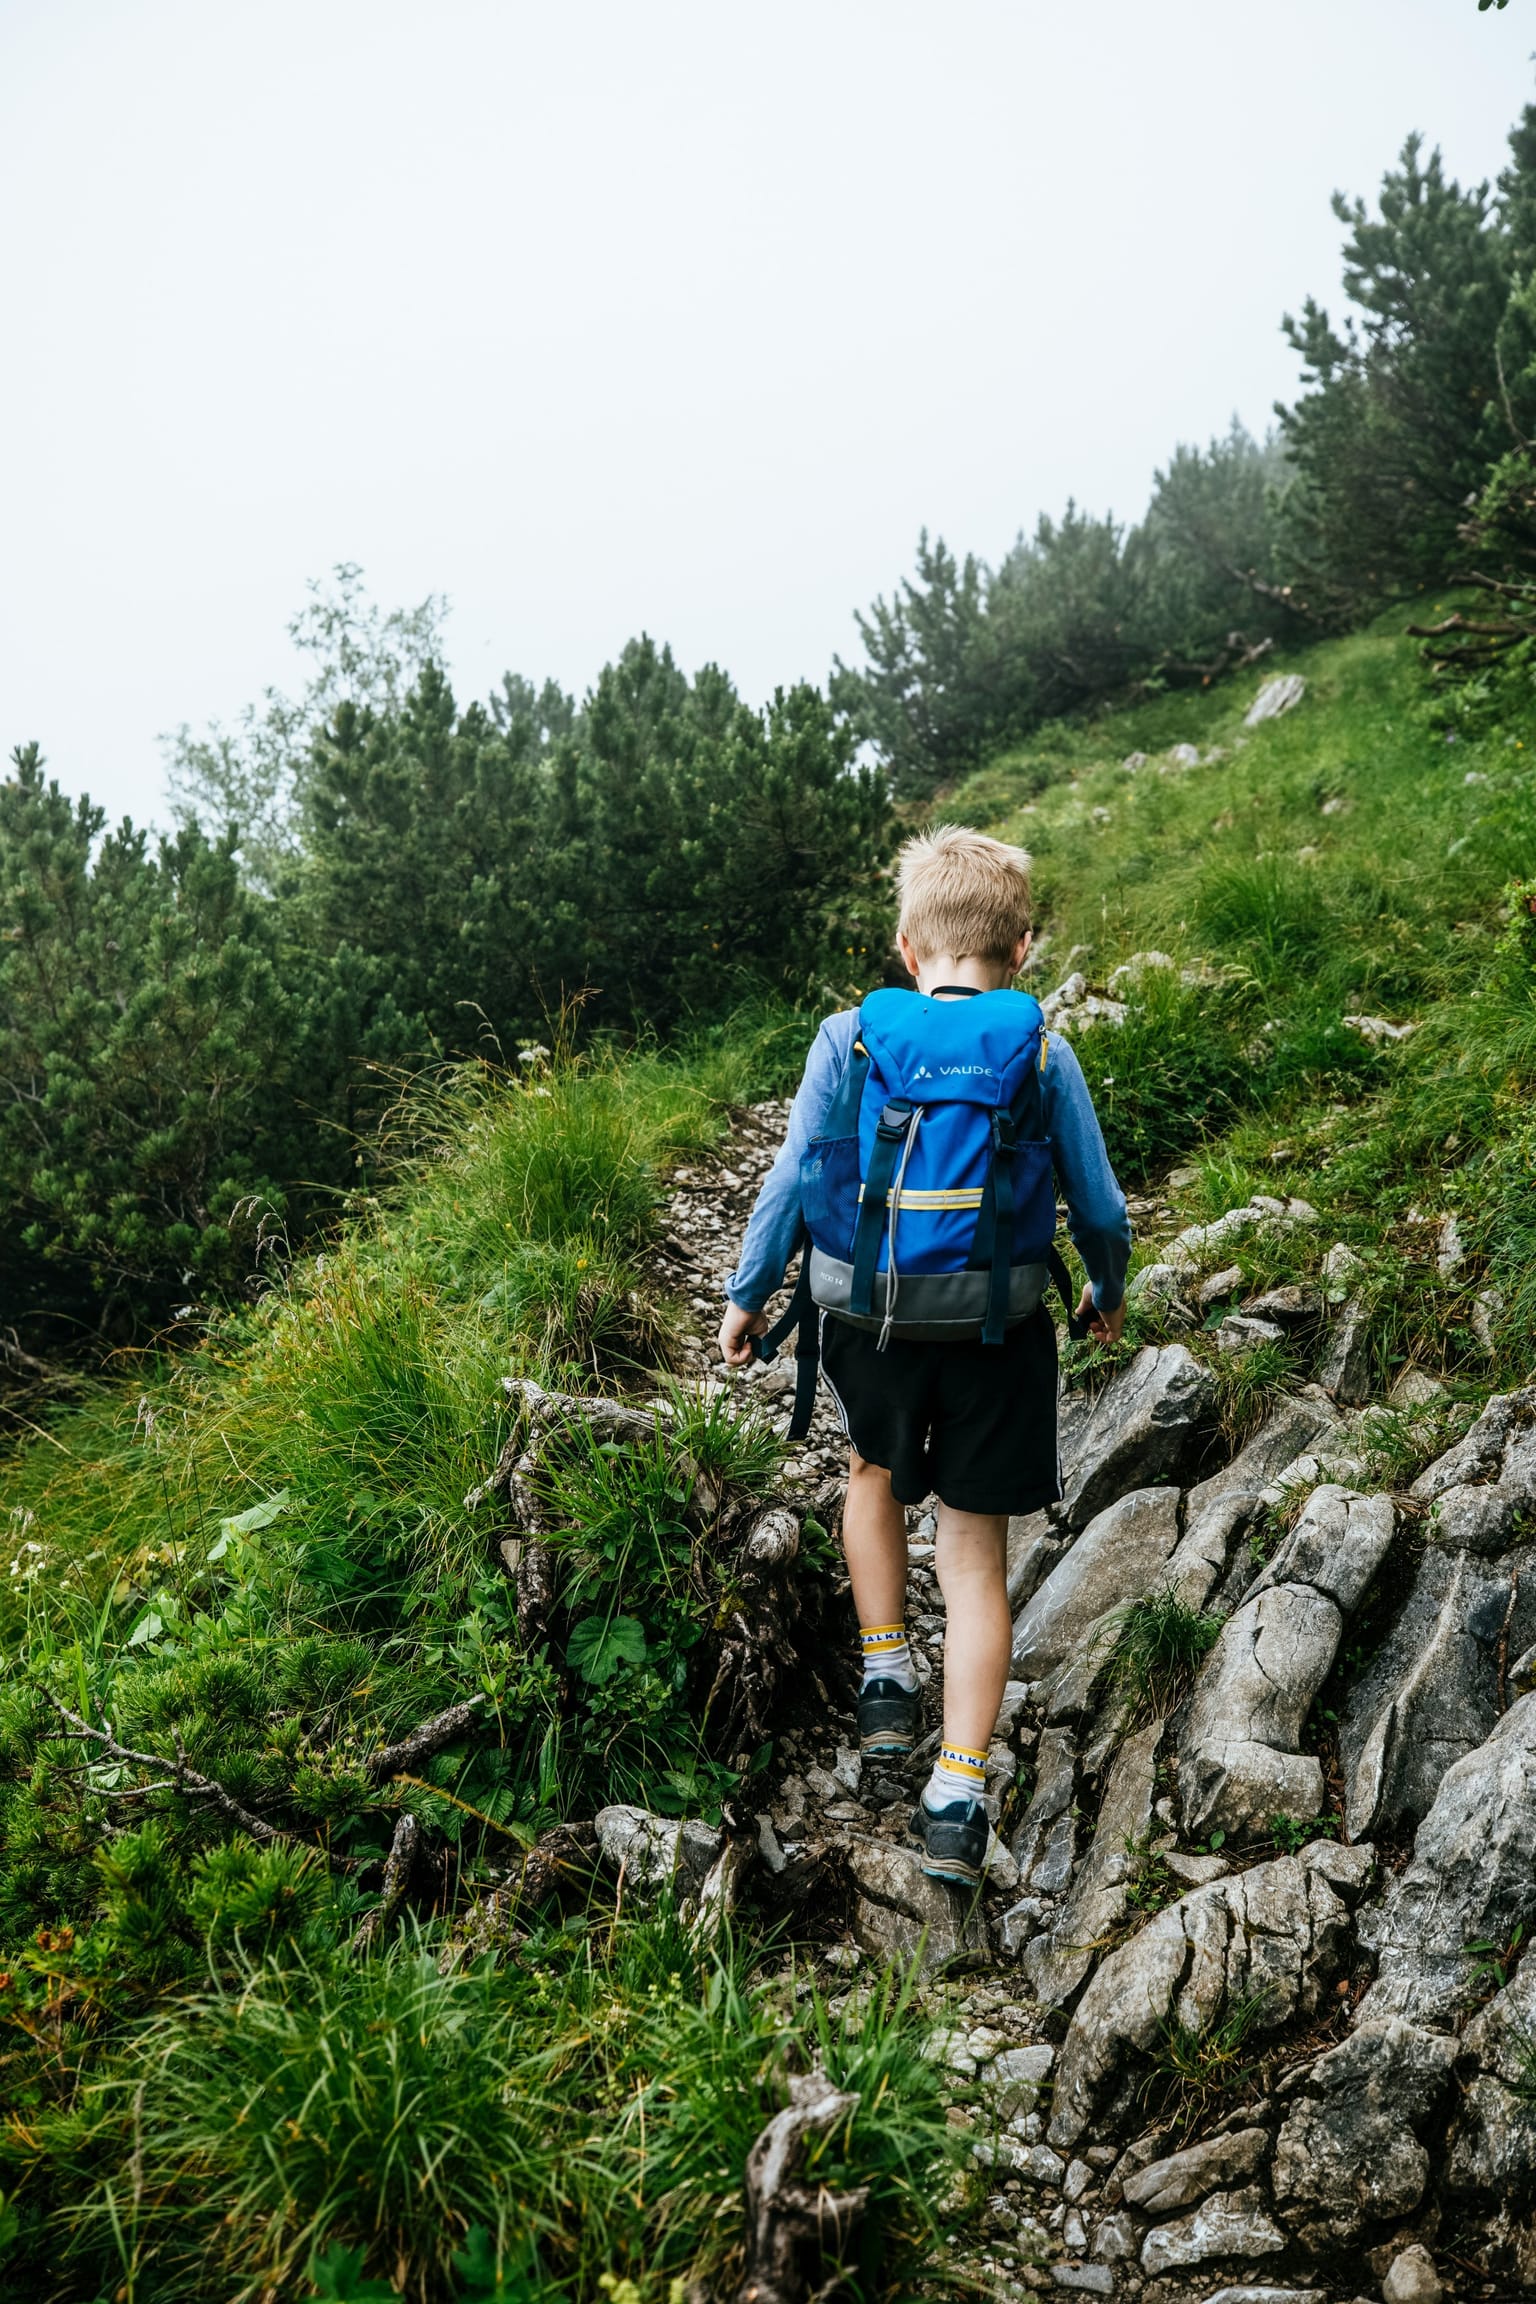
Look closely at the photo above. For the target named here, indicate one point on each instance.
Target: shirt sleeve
(774, 1226)
(1096, 1212)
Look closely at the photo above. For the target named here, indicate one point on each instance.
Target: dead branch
(397, 1879)
(179, 1776)
(423, 1742)
(795, 2228)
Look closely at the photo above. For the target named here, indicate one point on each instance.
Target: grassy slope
(265, 1555)
(1351, 857)
(266, 1552)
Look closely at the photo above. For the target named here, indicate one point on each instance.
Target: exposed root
(797, 2232)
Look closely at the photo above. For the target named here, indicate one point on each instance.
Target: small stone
(1076, 2181)
(1239, 1334)
(1228, 2224)
(1195, 1870)
(1115, 2239)
(1281, 694)
(1223, 1283)
(1412, 2278)
(1414, 1389)
(1086, 2279)
(1074, 2232)
(849, 1766)
(1041, 2165)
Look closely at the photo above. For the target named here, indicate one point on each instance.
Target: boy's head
(963, 897)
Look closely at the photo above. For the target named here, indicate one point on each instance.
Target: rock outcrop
(1277, 1936)
(1471, 1879)
(1240, 1762)
(1117, 1558)
(1478, 1490)
(1145, 1426)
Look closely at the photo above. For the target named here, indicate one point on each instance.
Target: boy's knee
(860, 1468)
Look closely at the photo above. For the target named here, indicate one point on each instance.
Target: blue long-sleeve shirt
(1096, 1212)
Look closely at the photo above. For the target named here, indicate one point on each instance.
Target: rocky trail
(1239, 2015)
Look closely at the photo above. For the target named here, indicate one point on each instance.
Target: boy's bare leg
(972, 1564)
(875, 1545)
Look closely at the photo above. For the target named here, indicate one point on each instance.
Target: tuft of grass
(1195, 2071)
(1155, 1648)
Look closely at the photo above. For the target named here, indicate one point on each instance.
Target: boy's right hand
(1103, 1327)
(736, 1332)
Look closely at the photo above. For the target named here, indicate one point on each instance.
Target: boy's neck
(972, 975)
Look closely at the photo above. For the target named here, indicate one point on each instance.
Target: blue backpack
(929, 1196)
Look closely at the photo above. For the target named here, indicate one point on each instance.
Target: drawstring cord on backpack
(892, 1276)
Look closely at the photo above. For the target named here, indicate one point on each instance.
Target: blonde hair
(963, 894)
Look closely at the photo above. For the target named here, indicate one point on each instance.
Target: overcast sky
(611, 315)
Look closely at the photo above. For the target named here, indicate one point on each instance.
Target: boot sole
(940, 1868)
(885, 1747)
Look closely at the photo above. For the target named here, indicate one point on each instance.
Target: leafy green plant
(1292, 1833)
(1491, 1963)
(1150, 1885)
(1154, 1647)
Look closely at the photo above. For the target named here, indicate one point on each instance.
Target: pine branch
(181, 1777)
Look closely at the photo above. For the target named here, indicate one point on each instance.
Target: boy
(973, 1422)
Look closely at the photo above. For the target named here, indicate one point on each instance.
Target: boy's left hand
(1103, 1327)
(736, 1332)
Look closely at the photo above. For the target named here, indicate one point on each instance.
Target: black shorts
(974, 1424)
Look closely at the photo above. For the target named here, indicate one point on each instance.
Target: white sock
(958, 1774)
(887, 1655)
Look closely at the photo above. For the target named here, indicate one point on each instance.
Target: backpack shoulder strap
(801, 1312)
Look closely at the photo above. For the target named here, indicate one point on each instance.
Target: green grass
(1353, 857)
(588, 2104)
(263, 1558)
(1154, 1647)
(1195, 2072)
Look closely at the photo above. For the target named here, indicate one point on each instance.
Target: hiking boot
(887, 1719)
(954, 1840)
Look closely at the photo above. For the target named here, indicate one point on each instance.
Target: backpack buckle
(892, 1123)
(1004, 1134)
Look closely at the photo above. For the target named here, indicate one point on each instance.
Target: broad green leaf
(599, 1645)
(257, 1516)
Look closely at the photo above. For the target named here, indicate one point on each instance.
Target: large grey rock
(1339, 1541)
(654, 1851)
(1429, 1695)
(1226, 1505)
(1278, 695)
(1493, 2144)
(1472, 1877)
(1345, 1367)
(1202, 2168)
(1056, 1964)
(1033, 1551)
(1228, 2224)
(1119, 1557)
(1277, 1934)
(1240, 1763)
(1045, 1844)
(1481, 1488)
(1298, 1421)
(898, 1912)
(1143, 1428)
(1350, 2156)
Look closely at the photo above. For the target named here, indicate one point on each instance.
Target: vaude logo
(957, 1072)
(922, 1073)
